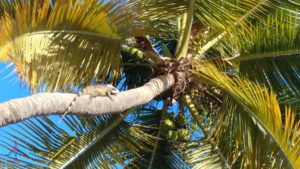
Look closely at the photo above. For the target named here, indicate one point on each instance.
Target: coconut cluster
(174, 128)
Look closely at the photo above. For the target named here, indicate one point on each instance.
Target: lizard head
(113, 90)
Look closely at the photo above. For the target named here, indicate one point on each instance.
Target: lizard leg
(108, 94)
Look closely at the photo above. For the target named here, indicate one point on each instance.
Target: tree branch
(56, 103)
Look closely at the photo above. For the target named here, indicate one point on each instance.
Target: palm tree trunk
(56, 103)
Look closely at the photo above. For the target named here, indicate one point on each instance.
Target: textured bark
(56, 103)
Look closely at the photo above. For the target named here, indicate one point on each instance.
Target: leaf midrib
(85, 33)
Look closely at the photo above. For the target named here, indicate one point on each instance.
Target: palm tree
(205, 84)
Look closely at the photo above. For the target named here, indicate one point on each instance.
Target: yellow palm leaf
(70, 42)
(261, 105)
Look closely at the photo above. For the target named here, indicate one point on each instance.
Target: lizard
(93, 91)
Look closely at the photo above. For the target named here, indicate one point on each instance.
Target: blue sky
(10, 88)
(10, 85)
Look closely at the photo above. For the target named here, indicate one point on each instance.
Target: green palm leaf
(72, 42)
(153, 10)
(219, 22)
(271, 54)
(292, 100)
(225, 14)
(98, 141)
(201, 155)
(204, 152)
(230, 21)
(262, 106)
(47, 43)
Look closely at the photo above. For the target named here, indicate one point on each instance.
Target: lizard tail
(69, 107)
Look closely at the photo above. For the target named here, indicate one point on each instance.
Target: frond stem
(99, 137)
(191, 107)
(211, 43)
(63, 149)
(163, 116)
(251, 113)
(185, 38)
(86, 33)
(144, 45)
(241, 58)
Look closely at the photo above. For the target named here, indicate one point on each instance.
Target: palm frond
(201, 155)
(203, 152)
(274, 37)
(158, 9)
(59, 46)
(161, 14)
(68, 43)
(10, 162)
(227, 28)
(219, 22)
(7, 5)
(291, 100)
(271, 54)
(262, 106)
(245, 143)
(83, 142)
(224, 14)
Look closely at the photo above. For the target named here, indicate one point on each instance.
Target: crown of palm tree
(237, 110)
